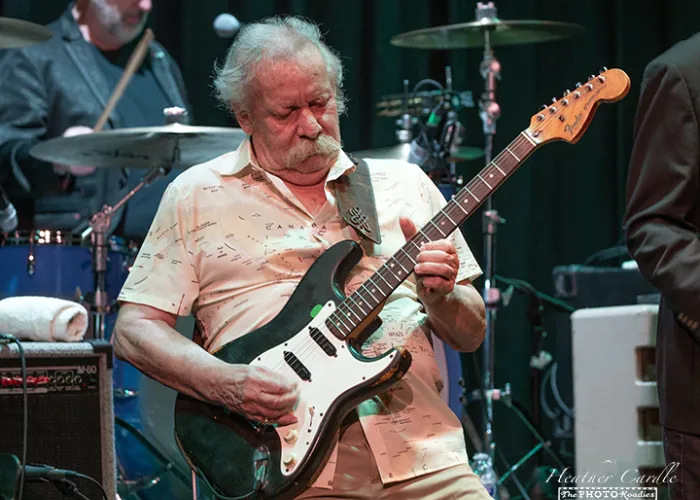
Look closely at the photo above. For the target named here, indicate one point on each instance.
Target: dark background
(563, 205)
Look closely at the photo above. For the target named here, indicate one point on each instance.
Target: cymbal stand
(99, 227)
(404, 130)
(489, 113)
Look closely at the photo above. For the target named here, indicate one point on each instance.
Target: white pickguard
(330, 377)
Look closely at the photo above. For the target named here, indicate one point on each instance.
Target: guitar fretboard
(361, 303)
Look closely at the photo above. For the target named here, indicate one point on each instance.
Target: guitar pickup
(322, 341)
(297, 365)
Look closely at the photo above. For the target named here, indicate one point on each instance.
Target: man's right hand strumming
(259, 394)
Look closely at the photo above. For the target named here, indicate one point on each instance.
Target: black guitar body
(234, 455)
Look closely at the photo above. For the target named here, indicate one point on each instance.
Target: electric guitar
(316, 336)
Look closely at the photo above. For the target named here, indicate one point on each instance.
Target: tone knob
(289, 459)
(291, 436)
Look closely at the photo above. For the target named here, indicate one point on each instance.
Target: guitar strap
(356, 201)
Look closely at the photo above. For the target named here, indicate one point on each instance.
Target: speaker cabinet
(617, 409)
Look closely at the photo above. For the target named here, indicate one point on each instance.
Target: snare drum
(57, 264)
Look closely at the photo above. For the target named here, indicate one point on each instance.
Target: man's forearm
(183, 366)
(459, 318)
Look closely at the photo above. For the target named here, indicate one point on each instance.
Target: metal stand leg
(99, 226)
(489, 113)
(195, 486)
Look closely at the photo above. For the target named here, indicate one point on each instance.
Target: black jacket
(45, 89)
(662, 221)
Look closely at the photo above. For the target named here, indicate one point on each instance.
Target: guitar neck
(357, 306)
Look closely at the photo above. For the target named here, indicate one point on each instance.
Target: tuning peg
(590, 78)
(554, 99)
(578, 84)
(602, 70)
(566, 92)
(543, 107)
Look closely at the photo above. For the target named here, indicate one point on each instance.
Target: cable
(555, 392)
(66, 487)
(543, 399)
(425, 81)
(611, 253)
(25, 419)
(96, 483)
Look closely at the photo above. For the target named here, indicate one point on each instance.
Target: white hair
(274, 38)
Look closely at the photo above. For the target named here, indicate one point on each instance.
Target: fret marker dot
(399, 272)
(391, 265)
(374, 290)
(442, 223)
(490, 176)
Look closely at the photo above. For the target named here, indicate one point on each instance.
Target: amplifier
(70, 412)
(617, 409)
(585, 287)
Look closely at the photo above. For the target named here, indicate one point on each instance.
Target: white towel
(43, 319)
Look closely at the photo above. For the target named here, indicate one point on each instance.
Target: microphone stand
(536, 309)
(102, 220)
(99, 226)
(489, 113)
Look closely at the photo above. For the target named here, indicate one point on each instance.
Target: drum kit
(58, 263)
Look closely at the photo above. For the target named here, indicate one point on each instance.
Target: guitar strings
(310, 346)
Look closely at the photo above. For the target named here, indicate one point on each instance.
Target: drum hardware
(174, 145)
(405, 124)
(421, 102)
(99, 225)
(445, 150)
(134, 487)
(487, 32)
(15, 33)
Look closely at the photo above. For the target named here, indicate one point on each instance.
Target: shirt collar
(245, 157)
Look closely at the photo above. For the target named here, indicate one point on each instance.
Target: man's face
(123, 19)
(293, 118)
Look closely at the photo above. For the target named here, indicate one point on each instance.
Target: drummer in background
(60, 88)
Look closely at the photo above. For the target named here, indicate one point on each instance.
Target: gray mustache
(324, 145)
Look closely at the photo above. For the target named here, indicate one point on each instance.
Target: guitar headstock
(567, 119)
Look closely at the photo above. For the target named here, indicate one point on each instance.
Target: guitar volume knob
(291, 436)
(289, 459)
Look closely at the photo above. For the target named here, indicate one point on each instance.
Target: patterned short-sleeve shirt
(230, 242)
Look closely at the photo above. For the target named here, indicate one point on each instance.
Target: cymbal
(470, 35)
(400, 152)
(143, 147)
(15, 33)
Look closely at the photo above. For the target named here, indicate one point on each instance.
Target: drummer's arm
(24, 118)
(146, 337)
